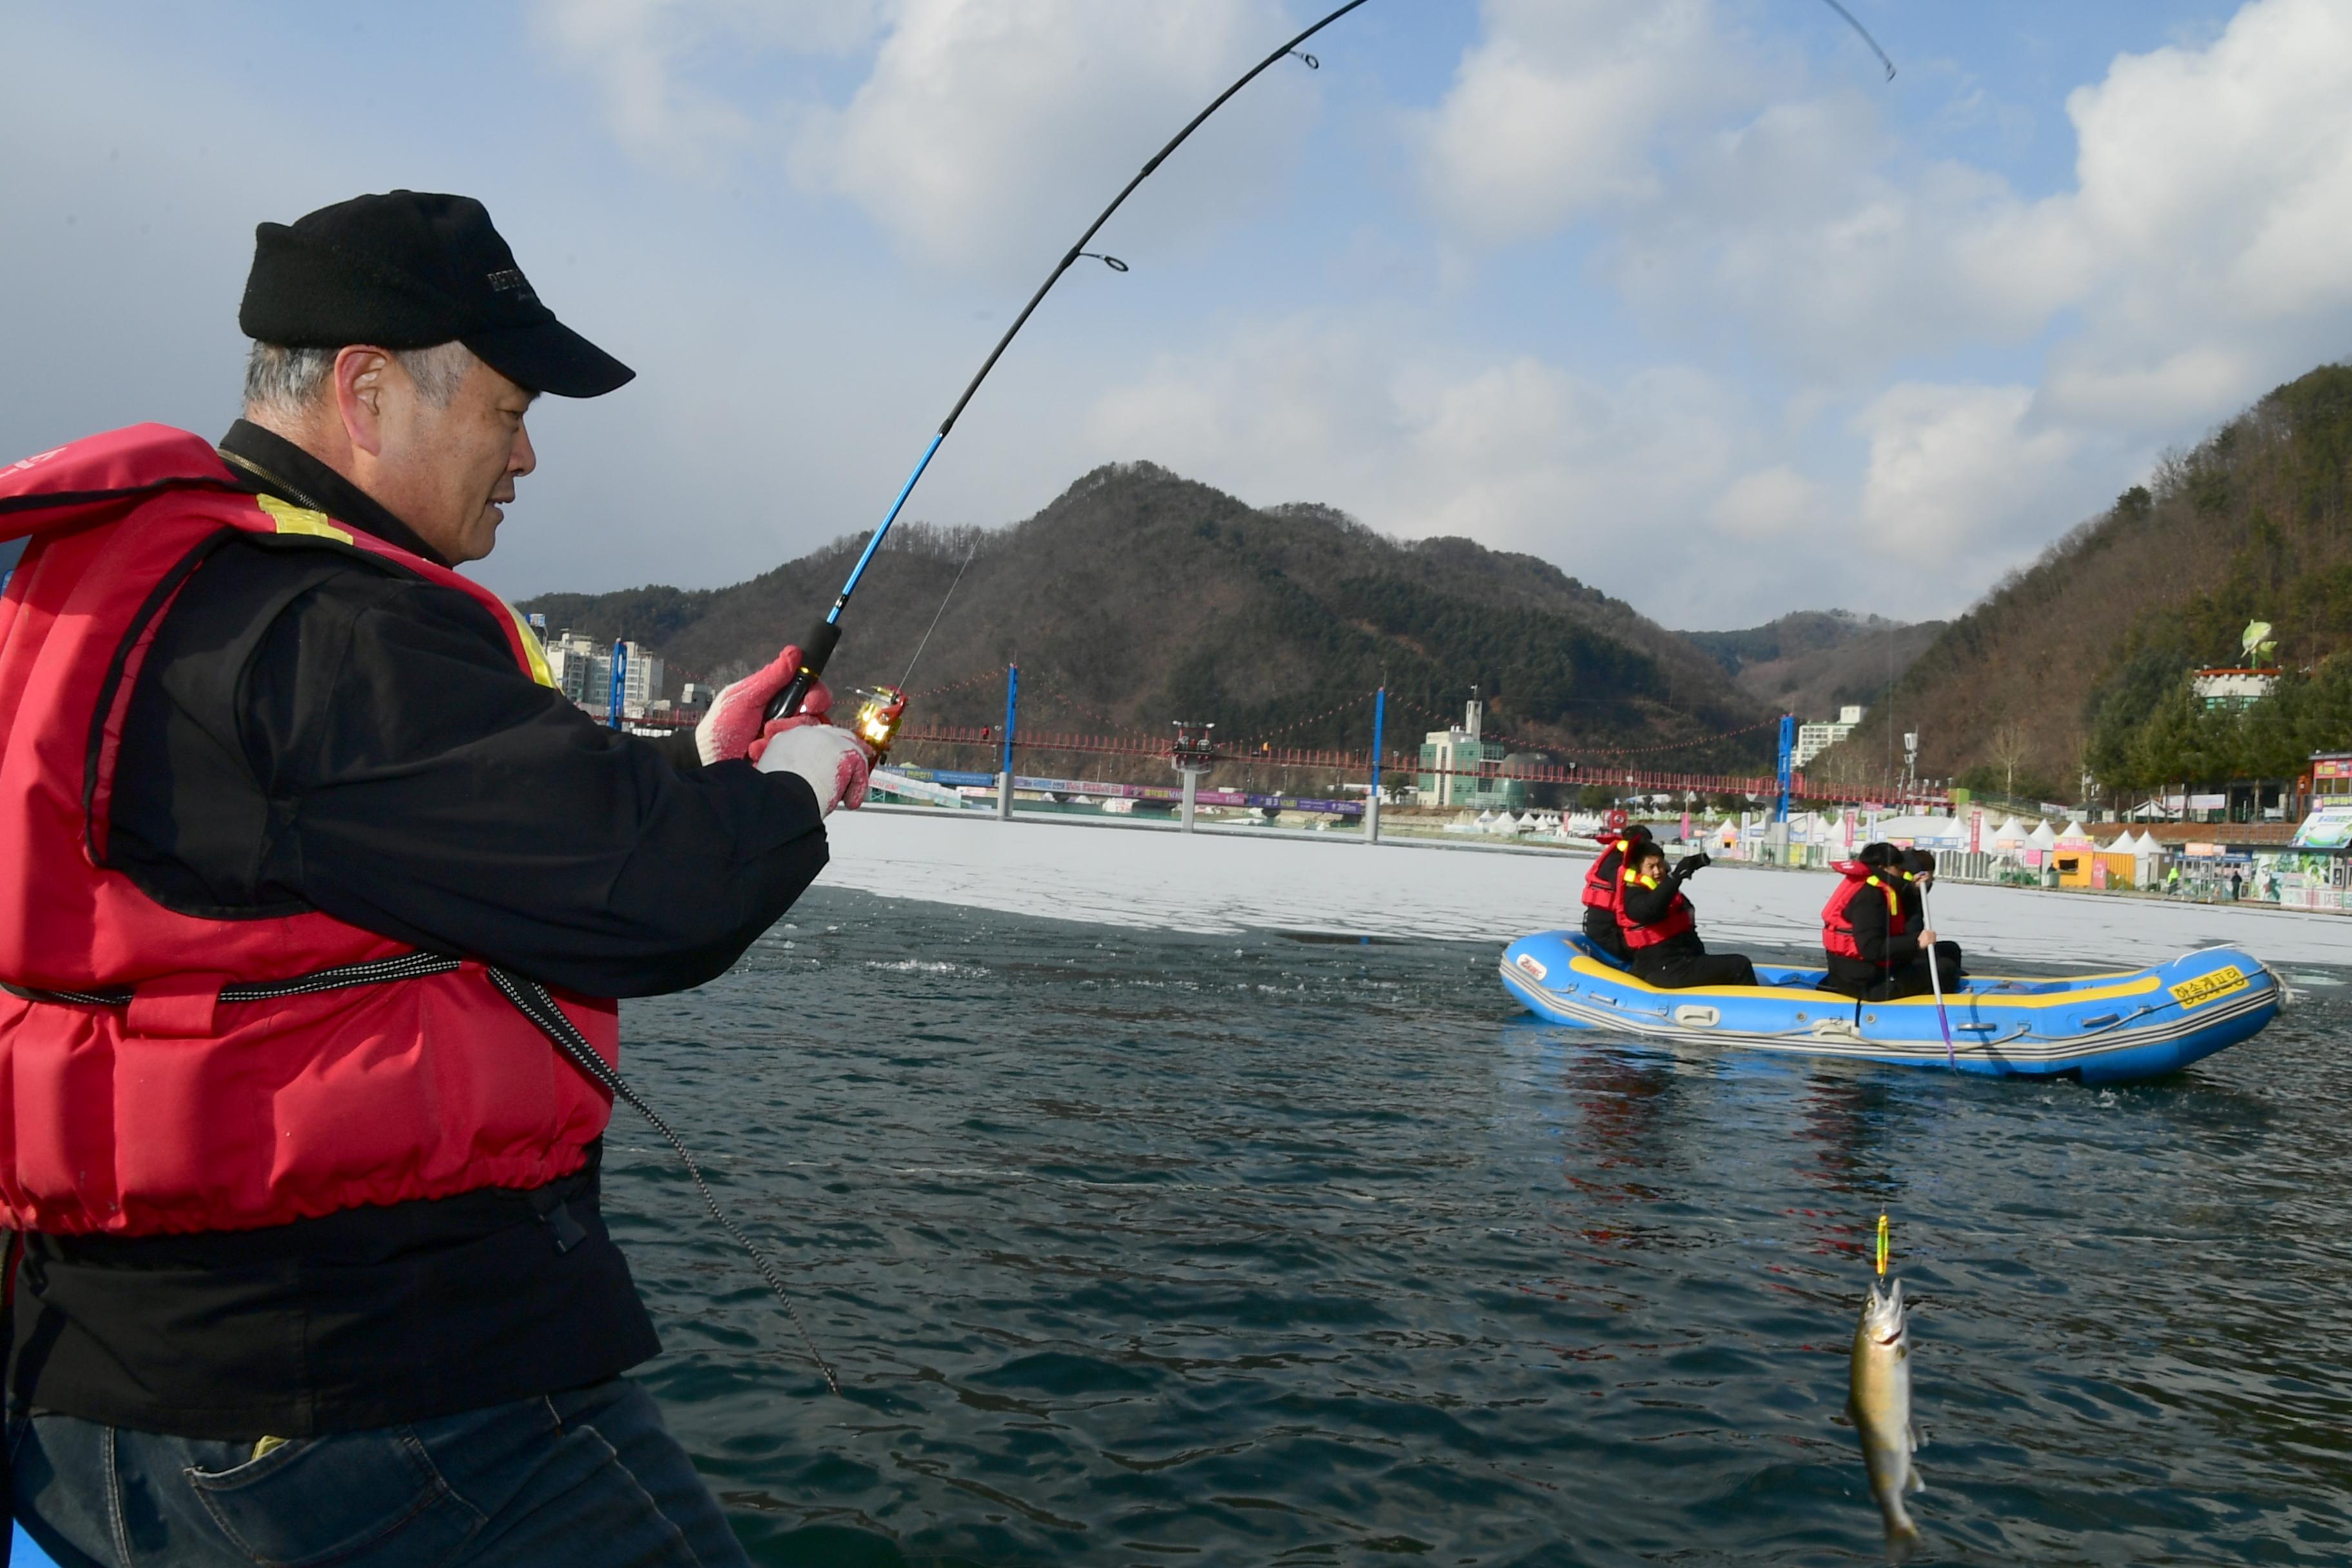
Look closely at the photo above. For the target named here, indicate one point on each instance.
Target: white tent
(2008, 836)
(2041, 837)
(2074, 838)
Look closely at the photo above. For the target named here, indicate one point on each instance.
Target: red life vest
(150, 1100)
(1679, 918)
(1605, 889)
(1837, 915)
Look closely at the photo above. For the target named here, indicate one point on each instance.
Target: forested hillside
(1137, 597)
(1813, 662)
(2079, 663)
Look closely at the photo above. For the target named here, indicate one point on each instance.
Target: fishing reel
(879, 711)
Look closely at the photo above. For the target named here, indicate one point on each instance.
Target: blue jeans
(586, 1479)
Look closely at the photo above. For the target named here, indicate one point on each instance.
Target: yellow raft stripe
(2140, 985)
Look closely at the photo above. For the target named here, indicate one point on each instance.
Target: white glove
(830, 758)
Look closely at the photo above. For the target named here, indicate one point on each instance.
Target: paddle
(1935, 979)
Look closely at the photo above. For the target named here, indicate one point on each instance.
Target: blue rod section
(1012, 704)
(1380, 727)
(833, 616)
(620, 674)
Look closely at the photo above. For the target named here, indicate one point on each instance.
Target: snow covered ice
(1218, 880)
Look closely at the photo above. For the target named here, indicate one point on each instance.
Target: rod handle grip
(816, 649)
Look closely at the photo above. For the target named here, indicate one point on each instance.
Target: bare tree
(2012, 747)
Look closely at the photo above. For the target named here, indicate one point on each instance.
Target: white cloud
(1556, 111)
(1777, 502)
(645, 56)
(2196, 259)
(988, 133)
(1612, 480)
(1955, 468)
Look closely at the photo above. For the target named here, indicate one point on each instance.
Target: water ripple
(1134, 1247)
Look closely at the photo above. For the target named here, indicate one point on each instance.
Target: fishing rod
(817, 647)
(878, 720)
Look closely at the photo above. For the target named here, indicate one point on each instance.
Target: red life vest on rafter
(1679, 918)
(1837, 915)
(1604, 878)
(153, 1096)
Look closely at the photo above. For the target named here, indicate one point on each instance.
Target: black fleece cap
(408, 270)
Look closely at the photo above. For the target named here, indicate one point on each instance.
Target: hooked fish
(1879, 1400)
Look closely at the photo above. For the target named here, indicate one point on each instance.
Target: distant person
(2172, 883)
(2236, 884)
(1604, 892)
(1661, 929)
(1875, 935)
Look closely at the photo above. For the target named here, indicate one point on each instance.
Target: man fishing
(307, 1260)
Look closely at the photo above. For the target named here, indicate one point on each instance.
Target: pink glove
(736, 723)
(831, 759)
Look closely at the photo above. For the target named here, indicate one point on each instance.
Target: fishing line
(942, 610)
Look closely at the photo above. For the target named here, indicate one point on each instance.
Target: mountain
(2061, 669)
(1813, 662)
(1137, 597)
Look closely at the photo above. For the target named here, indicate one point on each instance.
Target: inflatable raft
(2097, 1028)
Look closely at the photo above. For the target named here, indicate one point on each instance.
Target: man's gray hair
(289, 382)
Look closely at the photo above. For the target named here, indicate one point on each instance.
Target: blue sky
(1681, 295)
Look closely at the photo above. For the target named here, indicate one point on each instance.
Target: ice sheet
(1220, 881)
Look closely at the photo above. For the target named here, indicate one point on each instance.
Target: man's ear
(361, 374)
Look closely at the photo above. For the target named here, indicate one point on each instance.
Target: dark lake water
(1133, 1248)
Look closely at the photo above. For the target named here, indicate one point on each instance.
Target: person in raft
(1660, 927)
(307, 864)
(1873, 929)
(1604, 892)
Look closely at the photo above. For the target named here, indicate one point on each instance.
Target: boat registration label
(1529, 963)
(2205, 987)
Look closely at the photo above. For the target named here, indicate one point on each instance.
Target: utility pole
(1786, 766)
(1372, 800)
(1004, 774)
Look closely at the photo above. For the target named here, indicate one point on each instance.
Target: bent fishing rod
(878, 719)
(817, 647)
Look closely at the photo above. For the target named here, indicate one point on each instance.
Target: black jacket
(1648, 905)
(1882, 954)
(315, 732)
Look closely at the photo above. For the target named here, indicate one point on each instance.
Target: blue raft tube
(2096, 1028)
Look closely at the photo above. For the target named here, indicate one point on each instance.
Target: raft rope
(533, 1000)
